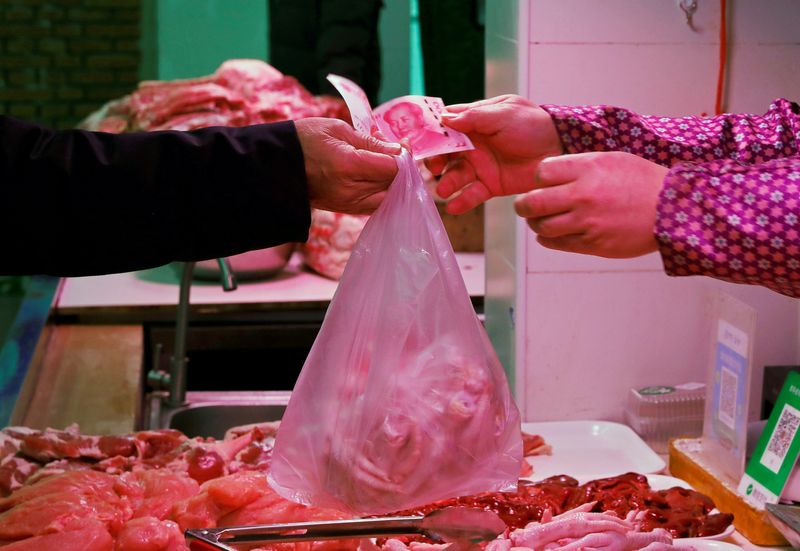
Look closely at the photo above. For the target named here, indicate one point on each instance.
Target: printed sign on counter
(777, 449)
(725, 425)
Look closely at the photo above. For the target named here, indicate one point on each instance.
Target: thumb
(371, 143)
(481, 121)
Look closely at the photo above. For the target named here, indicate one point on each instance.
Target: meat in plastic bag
(402, 400)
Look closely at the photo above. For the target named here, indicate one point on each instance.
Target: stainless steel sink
(210, 414)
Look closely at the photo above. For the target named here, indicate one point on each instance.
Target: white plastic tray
(591, 449)
(705, 545)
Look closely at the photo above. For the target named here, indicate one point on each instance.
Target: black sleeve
(80, 203)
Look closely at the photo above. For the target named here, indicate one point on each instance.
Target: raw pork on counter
(66, 491)
(573, 530)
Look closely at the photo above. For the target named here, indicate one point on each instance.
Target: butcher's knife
(463, 526)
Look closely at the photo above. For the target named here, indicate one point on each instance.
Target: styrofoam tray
(591, 449)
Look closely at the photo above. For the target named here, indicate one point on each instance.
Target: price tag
(776, 452)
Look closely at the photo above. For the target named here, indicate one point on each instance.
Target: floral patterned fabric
(730, 204)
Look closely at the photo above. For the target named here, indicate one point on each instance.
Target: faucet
(175, 381)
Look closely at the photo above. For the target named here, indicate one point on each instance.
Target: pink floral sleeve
(666, 140)
(733, 221)
(730, 204)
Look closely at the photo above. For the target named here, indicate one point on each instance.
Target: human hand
(595, 203)
(346, 171)
(511, 136)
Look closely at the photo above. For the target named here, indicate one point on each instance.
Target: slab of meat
(56, 503)
(240, 92)
(150, 534)
(532, 445)
(331, 238)
(83, 535)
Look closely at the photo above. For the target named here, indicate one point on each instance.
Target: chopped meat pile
(67, 491)
(683, 513)
(241, 92)
(331, 238)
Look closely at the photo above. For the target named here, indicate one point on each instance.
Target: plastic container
(660, 413)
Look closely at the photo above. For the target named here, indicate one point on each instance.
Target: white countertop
(159, 287)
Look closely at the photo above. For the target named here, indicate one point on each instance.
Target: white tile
(621, 21)
(758, 74)
(544, 260)
(592, 337)
(635, 21)
(656, 79)
(760, 22)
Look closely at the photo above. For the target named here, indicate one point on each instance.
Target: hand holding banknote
(413, 120)
(511, 135)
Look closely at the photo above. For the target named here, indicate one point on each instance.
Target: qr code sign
(728, 386)
(781, 438)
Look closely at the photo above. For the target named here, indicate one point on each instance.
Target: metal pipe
(226, 275)
(179, 361)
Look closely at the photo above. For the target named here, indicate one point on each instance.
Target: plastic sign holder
(777, 449)
(728, 387)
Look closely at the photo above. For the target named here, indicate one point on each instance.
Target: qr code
(784, 432)
(728, 386)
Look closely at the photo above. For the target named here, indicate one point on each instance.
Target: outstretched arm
(77, 203)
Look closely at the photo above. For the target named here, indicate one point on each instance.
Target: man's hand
(346, 172)
(595, 203)
(511, 136)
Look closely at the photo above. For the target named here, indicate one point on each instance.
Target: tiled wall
(62, 59)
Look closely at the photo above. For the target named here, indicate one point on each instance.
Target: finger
(482, 121)
(366, 166)
(371, 143)
(371, 203)
(545, 202)
(567, 243)
(459, 107)
(473, 195)
(553, 171)
(459, 173)
(438, 163)
(558, 225)
(376, 133)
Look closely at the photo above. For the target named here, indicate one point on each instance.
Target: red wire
(723, 56)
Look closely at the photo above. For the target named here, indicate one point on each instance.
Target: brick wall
(62, 59)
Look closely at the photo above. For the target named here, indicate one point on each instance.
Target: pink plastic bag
(402, 400)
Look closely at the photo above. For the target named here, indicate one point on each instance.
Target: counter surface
(294, 286)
